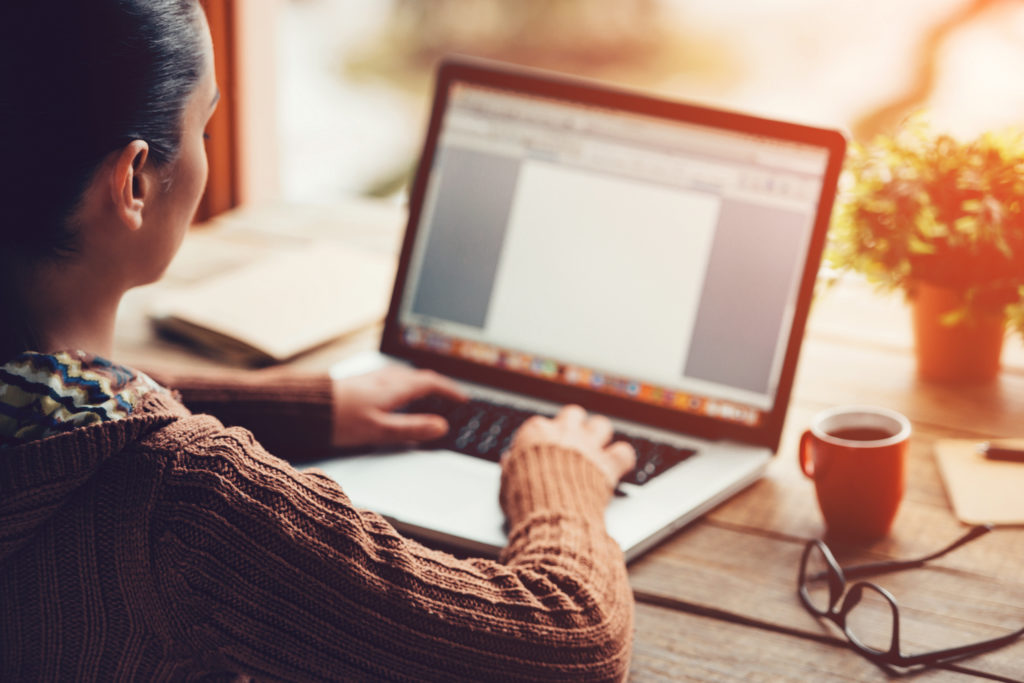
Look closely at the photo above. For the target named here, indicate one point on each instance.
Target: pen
(1005, 453)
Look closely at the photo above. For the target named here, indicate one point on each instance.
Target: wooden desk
(717, 601)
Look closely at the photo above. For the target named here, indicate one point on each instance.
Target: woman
(141, 540)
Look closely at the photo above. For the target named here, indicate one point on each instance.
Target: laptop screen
(654, 260)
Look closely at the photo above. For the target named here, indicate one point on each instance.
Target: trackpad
(448, 492)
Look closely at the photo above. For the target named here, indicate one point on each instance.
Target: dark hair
(78, 80)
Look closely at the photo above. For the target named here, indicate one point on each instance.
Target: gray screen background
(756, 260)
(466, 233)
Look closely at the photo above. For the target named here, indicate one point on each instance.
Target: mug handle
(806, 463)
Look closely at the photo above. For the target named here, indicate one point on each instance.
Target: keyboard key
(485, 429)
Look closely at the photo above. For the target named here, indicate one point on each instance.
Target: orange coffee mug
(856, 456)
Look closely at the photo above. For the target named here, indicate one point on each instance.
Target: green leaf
(967, 225)
(919, 246)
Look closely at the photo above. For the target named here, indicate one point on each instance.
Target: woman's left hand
(363, 407)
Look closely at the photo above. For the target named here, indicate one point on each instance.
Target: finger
(536, 423)
(430, 382)
(571, 414)
(600, 427)
(536, 428)
(417, 427)
(623, 458)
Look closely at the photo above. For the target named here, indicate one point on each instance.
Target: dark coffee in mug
(861, 433)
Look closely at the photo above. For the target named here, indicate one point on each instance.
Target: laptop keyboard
(484, 429)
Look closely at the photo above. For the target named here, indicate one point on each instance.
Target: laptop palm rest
(453, 498)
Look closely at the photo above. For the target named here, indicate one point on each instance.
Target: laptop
(570, 242)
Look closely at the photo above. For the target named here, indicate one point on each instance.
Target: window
(354, 76)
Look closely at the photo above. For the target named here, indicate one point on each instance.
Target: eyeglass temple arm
(860, 570)
(953, 653)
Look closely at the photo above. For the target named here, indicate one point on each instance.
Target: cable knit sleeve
(289, 413)
(273, 573)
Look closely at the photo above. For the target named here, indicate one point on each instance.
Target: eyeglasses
(874, 631)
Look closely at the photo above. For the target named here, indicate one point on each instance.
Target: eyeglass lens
(871, 620)
(816, 579)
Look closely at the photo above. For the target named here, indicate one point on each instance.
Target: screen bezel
(581, 91)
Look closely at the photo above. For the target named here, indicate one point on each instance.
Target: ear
(130, 188)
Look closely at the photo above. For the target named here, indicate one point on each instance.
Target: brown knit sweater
(168, 546)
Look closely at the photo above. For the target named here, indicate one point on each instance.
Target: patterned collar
(46, 394)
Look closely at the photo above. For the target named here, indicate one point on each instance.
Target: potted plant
(943, 220)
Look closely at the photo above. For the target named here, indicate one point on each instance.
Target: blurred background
(352, 78)
(326, 100)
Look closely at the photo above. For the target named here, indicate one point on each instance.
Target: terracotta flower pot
(966, 351)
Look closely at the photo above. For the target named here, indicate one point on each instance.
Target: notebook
(982, 491)
(570, 242)
(280, 306)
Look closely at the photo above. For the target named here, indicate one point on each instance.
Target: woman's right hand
(575, 430)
